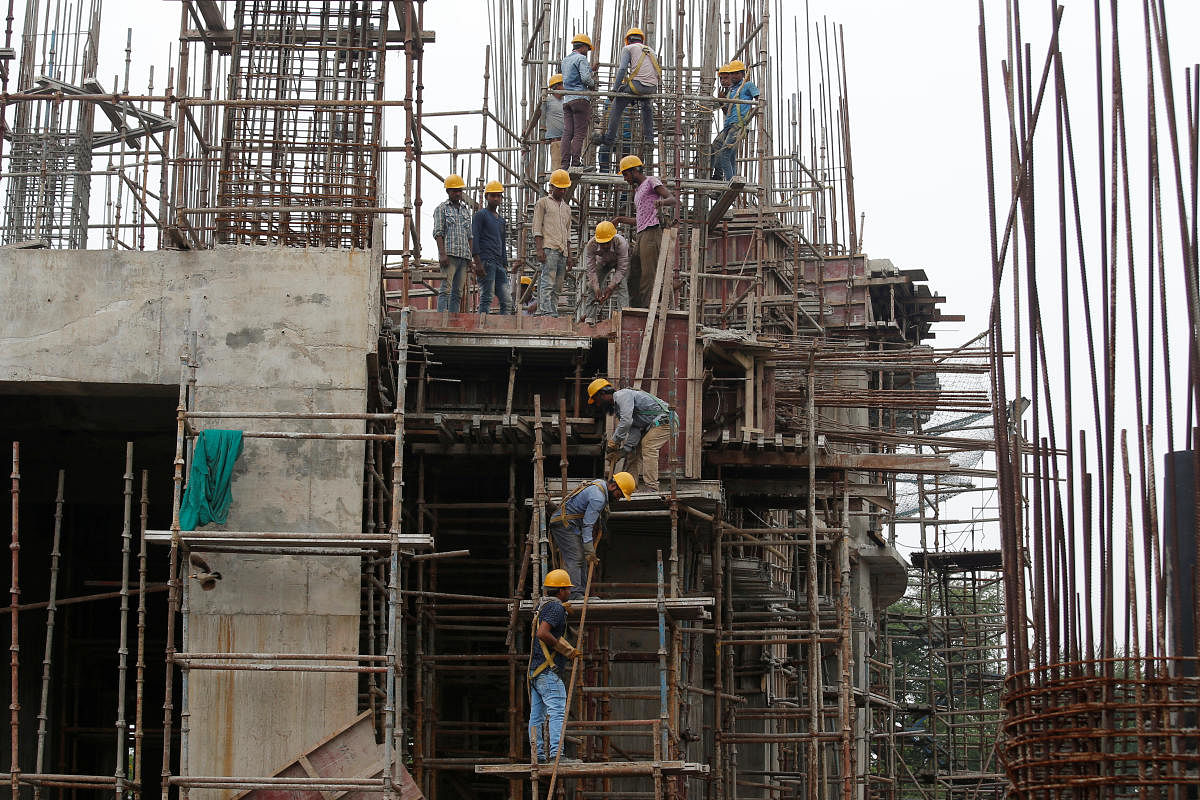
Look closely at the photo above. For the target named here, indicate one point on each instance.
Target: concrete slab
(274, 330)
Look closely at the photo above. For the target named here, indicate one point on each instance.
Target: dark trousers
(643, 266)
(577, 120)
(621, 102)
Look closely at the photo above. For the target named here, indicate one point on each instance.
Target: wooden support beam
(717, 213)
(666, 260)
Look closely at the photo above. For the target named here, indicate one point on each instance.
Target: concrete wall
(274, 329)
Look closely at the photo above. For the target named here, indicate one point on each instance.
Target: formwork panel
(669, 381)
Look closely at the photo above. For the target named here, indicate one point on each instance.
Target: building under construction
(244, 251)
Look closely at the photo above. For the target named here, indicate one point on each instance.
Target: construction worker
(452, 232)
(638, 75)
(649, 195)
(577, 108)
(606, 261)
(548, 655)
(644, 423)
(552, 240)
(488, 230)
(573, 525)
(528, 296)
(737, 118)
(552, 118)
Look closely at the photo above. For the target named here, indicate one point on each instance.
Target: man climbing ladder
(548, 654)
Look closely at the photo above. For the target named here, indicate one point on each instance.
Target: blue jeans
(554, 269)
(547, 696)
(724, 148)
(453, 276)
(494, 276)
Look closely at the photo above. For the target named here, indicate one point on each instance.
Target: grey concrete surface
(275, 330)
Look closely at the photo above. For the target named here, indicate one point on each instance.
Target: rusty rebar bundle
(1102, 686)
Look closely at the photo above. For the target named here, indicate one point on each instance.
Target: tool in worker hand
(587, 594)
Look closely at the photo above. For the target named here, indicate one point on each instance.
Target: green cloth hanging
(209, 490)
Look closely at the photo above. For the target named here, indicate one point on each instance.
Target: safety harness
(646, 53)
(737, 107)
(547, 659)
(561, 517)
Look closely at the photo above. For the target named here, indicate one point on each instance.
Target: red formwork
(673, 372)
(839, 283)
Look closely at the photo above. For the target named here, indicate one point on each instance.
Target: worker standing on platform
(649, 196)
(737, 118)
(452, 232)
(644, 423)
(488, 231)
(577, 108)
(552, 240)
(574, 525)
(552, 119)
(606, 262)
(548, 654)
(638, 75)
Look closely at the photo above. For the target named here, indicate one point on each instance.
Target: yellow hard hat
(597, 385)
(494, 187)
(733, 66)
(605, 231)
(555, 80)
(626, 482)
(629, 162)
(634, 32)
(581, 38)
(558, 578)
(455, 182)
(560, 178)
(526, 280)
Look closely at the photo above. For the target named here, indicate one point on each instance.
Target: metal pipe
(122, 727)
(663, 714)
(51, 607)
(14, 595)
(139, 697)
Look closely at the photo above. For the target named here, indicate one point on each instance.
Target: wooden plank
(665, 252)
(311, 772)
(664, 302)
(350, 752)
(724, 202)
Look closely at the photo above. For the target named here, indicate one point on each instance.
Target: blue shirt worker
(737, 118)
(452, 232)
(488, 230)
(644, 424)
(548, 655)
(577, 108)
(573, 524)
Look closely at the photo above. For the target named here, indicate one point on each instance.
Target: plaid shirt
(453, 221)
